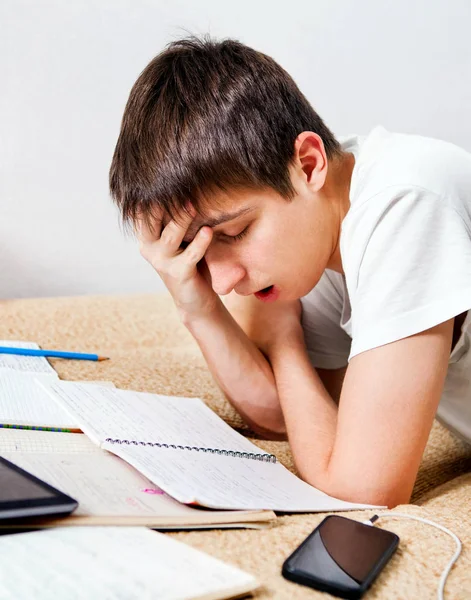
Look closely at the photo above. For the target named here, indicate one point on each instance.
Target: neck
(337, 187)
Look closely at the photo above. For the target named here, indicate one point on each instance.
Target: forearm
(310, 413)
(239, 368)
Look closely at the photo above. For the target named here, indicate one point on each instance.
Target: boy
(328, 254)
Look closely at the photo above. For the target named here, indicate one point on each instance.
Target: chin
(306, 289)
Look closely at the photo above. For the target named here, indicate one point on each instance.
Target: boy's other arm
(369, 450)
(240, 369)
(260, 323)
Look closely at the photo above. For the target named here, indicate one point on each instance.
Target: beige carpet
(151, 351)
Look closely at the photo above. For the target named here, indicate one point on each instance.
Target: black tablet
(22, 495)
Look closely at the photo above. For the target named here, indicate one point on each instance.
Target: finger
(174, 232)
(197, 249)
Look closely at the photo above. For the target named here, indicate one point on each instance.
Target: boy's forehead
(213, 218)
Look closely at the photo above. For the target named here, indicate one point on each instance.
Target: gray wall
(66, 68)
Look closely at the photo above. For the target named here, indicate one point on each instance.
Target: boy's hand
(267, 325)
(188, 282)
(280, 323)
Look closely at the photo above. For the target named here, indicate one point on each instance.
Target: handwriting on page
(23, 402)
(227, 482)
(187, 475)
(111, 413)
(103, 484)
(27, 364)
(111, 562)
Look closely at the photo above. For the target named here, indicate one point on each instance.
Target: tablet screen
(14, 486)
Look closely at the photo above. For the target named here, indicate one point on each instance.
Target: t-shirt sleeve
(413, 267)
(328, 345)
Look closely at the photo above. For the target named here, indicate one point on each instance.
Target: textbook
(186, 450)
(108, 490)
(131, 563)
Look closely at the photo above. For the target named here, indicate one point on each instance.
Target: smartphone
(341, 556)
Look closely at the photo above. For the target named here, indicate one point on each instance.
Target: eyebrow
(221, 218)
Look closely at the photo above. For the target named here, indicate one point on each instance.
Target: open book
(113, 562)
(108, 490)
(185, 449)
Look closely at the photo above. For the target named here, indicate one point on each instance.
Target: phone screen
(341, 553)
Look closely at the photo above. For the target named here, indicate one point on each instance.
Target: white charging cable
(446, 572)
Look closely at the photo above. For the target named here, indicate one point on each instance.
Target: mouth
(268, 294)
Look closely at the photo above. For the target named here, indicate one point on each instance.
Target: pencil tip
(103, 358)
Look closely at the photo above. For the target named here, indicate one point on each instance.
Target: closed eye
(223, 237)
(234, 238)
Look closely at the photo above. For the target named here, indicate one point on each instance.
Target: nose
(225, 273)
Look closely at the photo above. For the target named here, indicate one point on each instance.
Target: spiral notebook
(183, 447)
(109, 491)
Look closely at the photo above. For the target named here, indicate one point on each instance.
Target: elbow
(268, 424)
(278, 433)
(360, 492)
(265, 418)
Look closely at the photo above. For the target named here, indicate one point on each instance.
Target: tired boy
(345, 267)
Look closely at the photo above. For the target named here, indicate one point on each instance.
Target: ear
(311, 160)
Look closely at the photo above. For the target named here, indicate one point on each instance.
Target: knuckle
(191, 255)
(167, 238)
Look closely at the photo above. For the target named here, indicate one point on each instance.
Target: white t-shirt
(406, 253)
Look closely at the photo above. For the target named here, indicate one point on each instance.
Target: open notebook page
(210, 480)
(227, 482)
(103, 484)
(24, 402)
(127, 415)
(25, 364)
(112, 562)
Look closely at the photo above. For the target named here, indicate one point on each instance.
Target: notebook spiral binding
(265, 457)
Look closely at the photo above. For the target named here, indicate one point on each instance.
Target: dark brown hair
(207, 115)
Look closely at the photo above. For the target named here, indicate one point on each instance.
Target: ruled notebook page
(24, 402)
(126, 415)
(27, 364)
(102, 483)
(112, 562)
(211, 480)
(45, 442)
(226, 482)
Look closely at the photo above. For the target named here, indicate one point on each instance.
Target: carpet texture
(151, 351)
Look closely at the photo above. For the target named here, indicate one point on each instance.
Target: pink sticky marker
(152, 491)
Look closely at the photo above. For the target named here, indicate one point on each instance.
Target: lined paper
(105, 486)
(212, 480)
(24, 402)
(110, 563)
(25, 364)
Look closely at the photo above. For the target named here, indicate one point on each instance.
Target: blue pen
(51, 353)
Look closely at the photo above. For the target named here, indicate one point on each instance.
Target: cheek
(271, 255)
